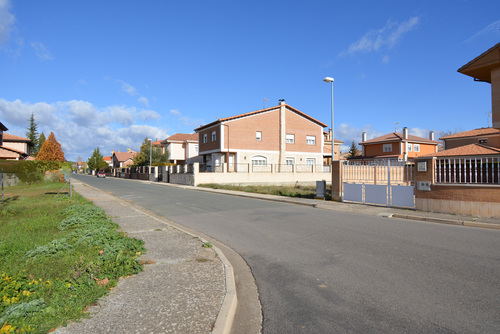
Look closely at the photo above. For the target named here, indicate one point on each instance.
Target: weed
(207, 245)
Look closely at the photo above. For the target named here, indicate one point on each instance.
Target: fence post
(336, 181)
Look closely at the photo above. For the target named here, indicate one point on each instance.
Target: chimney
(431, 135)
(282, 102)
(363, 137)
(405, 133)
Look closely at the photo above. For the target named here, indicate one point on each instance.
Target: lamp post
(330, 79)
(150, 151)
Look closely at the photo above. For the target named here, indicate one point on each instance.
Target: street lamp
(330, 79)
(150, 151)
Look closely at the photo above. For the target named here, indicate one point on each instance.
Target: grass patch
(59, 255)
(289, 191)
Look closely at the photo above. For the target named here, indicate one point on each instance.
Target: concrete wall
(10, 179)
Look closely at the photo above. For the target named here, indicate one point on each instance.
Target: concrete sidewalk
(184, 288)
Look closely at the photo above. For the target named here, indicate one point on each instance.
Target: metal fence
(378, 172)
(269, 168)
(467, 170)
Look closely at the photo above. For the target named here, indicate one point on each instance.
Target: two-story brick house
(280, 135)
(397, 146)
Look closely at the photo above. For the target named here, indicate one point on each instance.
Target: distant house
(123, 159)
(182, 148)
(280, 135)
(327, 148)
(397, 146)
(486, 136)
(109, 160)
(14, 147)
(486, 68)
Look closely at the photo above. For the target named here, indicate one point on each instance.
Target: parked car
(101, 174)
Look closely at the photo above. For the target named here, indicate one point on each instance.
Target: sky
(109, 74)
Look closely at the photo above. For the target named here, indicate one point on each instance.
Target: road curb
(227, 310)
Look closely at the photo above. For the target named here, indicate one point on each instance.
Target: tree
(32, 134)
(142, 158)
(51, 150)
(353, 151)
(96, 160)
(41, 140)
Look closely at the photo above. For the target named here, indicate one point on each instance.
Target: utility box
(320, 189)
(424, 185)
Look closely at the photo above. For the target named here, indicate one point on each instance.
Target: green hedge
(29, 171)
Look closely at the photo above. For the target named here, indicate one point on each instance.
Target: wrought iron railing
(469, 170)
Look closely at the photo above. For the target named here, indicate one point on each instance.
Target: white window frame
(311, 140)
(214, 136)
(196, 148)
(259, 160)
(258, 135)
(387, 147)
(290, 161)
(205, 138)
(409, 147)
(310, 161)
(416, 147)
(290, 138)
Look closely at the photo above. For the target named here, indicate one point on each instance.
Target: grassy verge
(59, 255)
(290, 191)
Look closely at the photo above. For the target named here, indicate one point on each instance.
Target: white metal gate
(386, 182)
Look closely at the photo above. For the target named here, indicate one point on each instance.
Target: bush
(30, 171)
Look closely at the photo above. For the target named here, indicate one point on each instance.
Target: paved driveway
(321, 271)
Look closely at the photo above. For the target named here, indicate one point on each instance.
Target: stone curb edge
(448, 221)
(227, 311)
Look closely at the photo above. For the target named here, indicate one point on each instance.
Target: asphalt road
(321, 271)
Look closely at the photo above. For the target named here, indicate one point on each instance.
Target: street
(321, 271)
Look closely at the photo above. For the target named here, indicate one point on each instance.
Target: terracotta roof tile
(9, 137)
(473, 133)
(395, 136)
(262, 111)
(124, 156)
(182, 137)
(467, 150)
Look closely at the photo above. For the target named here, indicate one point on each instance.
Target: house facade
(397, 146)
(123, 159)
(15, 147)
(486, 136)
(182, 148)
(280, 135)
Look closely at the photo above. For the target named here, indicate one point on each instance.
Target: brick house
(123, 159)
(182, 148)
(396, 146)
(485, 136)
(280, 135)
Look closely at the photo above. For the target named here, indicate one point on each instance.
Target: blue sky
(108, 74)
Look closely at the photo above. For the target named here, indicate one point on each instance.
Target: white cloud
(144, 101)
(41, 51)
(80, 126)
(7, 21)
(149, 114)
(128, 88)
(348, 133)
(383, 38)
(491, 29)
(186, 120)
(175, 112)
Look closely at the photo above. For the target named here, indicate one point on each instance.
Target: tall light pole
(330, 79)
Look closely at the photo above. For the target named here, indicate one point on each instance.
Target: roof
(395, 136)
(108, 158)
(181, 137)
(221, 120)
(480, 67)
(124, 156)
(9, 137)
(7, 152)
(473, 133)
(467, 150)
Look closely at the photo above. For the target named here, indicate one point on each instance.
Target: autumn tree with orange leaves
(51, 150)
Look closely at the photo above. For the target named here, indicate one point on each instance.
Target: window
(290, 161)
(195, 148)
(310, 161)
(205, 138)
(311, 140)
(416, 147)
(214, 136)
(408, 147)
(259, 161)
(290, 139)
(387, 147)
(483, 141)
(258, 135)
